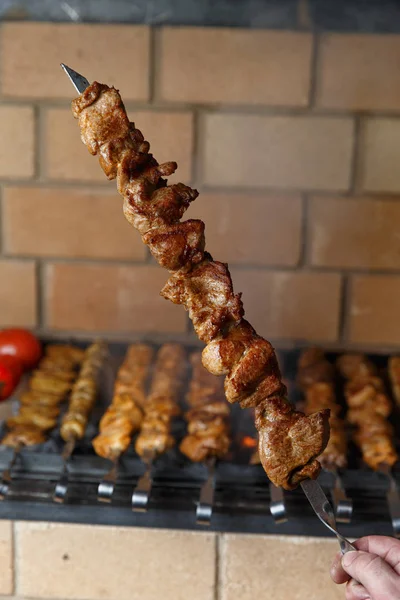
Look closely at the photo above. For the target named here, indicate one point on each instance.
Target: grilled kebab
(47, 389)
(208, 416)
(289, 441)
(394, 375)
(125, 413)
(161, 405)
(83, 393)
(368, 409)
(316, 378)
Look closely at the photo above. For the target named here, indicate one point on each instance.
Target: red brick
(374, 308)
(302, 152)
(359, 72)
(355, 233)
(67, 223)
(112, 54)
(17, 293)
(235, 66)
(118, 298)
(291, 305)
(247, 228)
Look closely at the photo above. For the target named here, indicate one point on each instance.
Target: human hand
(373, 572)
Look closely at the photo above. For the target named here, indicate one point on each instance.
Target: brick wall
(293, 140)
(73, 562)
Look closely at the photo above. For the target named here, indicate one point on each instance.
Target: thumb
(373, 573)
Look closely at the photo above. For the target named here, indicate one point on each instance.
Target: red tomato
(22, 345)
(10, 373)
(13, 365)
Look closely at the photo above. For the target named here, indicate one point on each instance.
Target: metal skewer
(324, 511)
(61, 488)
(277, 505)
(342, 504)
(106, 487)
(79, 82)
(142, 491)
(393, 499)
(6, 476)
(205, 505)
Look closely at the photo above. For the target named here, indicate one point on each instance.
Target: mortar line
(314, 71)
(217, 578)
(41, 293)
(304, 233)
(15, 578)
(2, 232)
(356, 164)
(153, 51)
(344, 309)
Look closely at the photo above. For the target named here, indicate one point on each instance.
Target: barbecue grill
(231, 496)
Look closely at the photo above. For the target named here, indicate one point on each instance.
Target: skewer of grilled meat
(161, 405)
(83, 394)
(289, 441)
(208, 416)
(40, 404)
(124, 415)
(368, 409)
(394, 375)
(316, 378)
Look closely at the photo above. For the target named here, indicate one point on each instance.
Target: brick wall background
(292, 138)
(70, 562)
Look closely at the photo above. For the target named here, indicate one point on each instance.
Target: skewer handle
(342, 504)
(142, 491)
(204, 508)
(61, 489)
(6, 477)
(106, 487)
(277, 505)
(393, 500)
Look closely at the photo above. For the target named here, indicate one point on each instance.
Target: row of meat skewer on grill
(366, 412)
(67, 372)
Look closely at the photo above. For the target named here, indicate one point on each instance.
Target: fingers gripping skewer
(142, 491)
(7, 474)
(393, 499)
(277, 505)
(61, 488)
(205, 505)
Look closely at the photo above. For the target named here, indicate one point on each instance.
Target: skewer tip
(79, 82)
